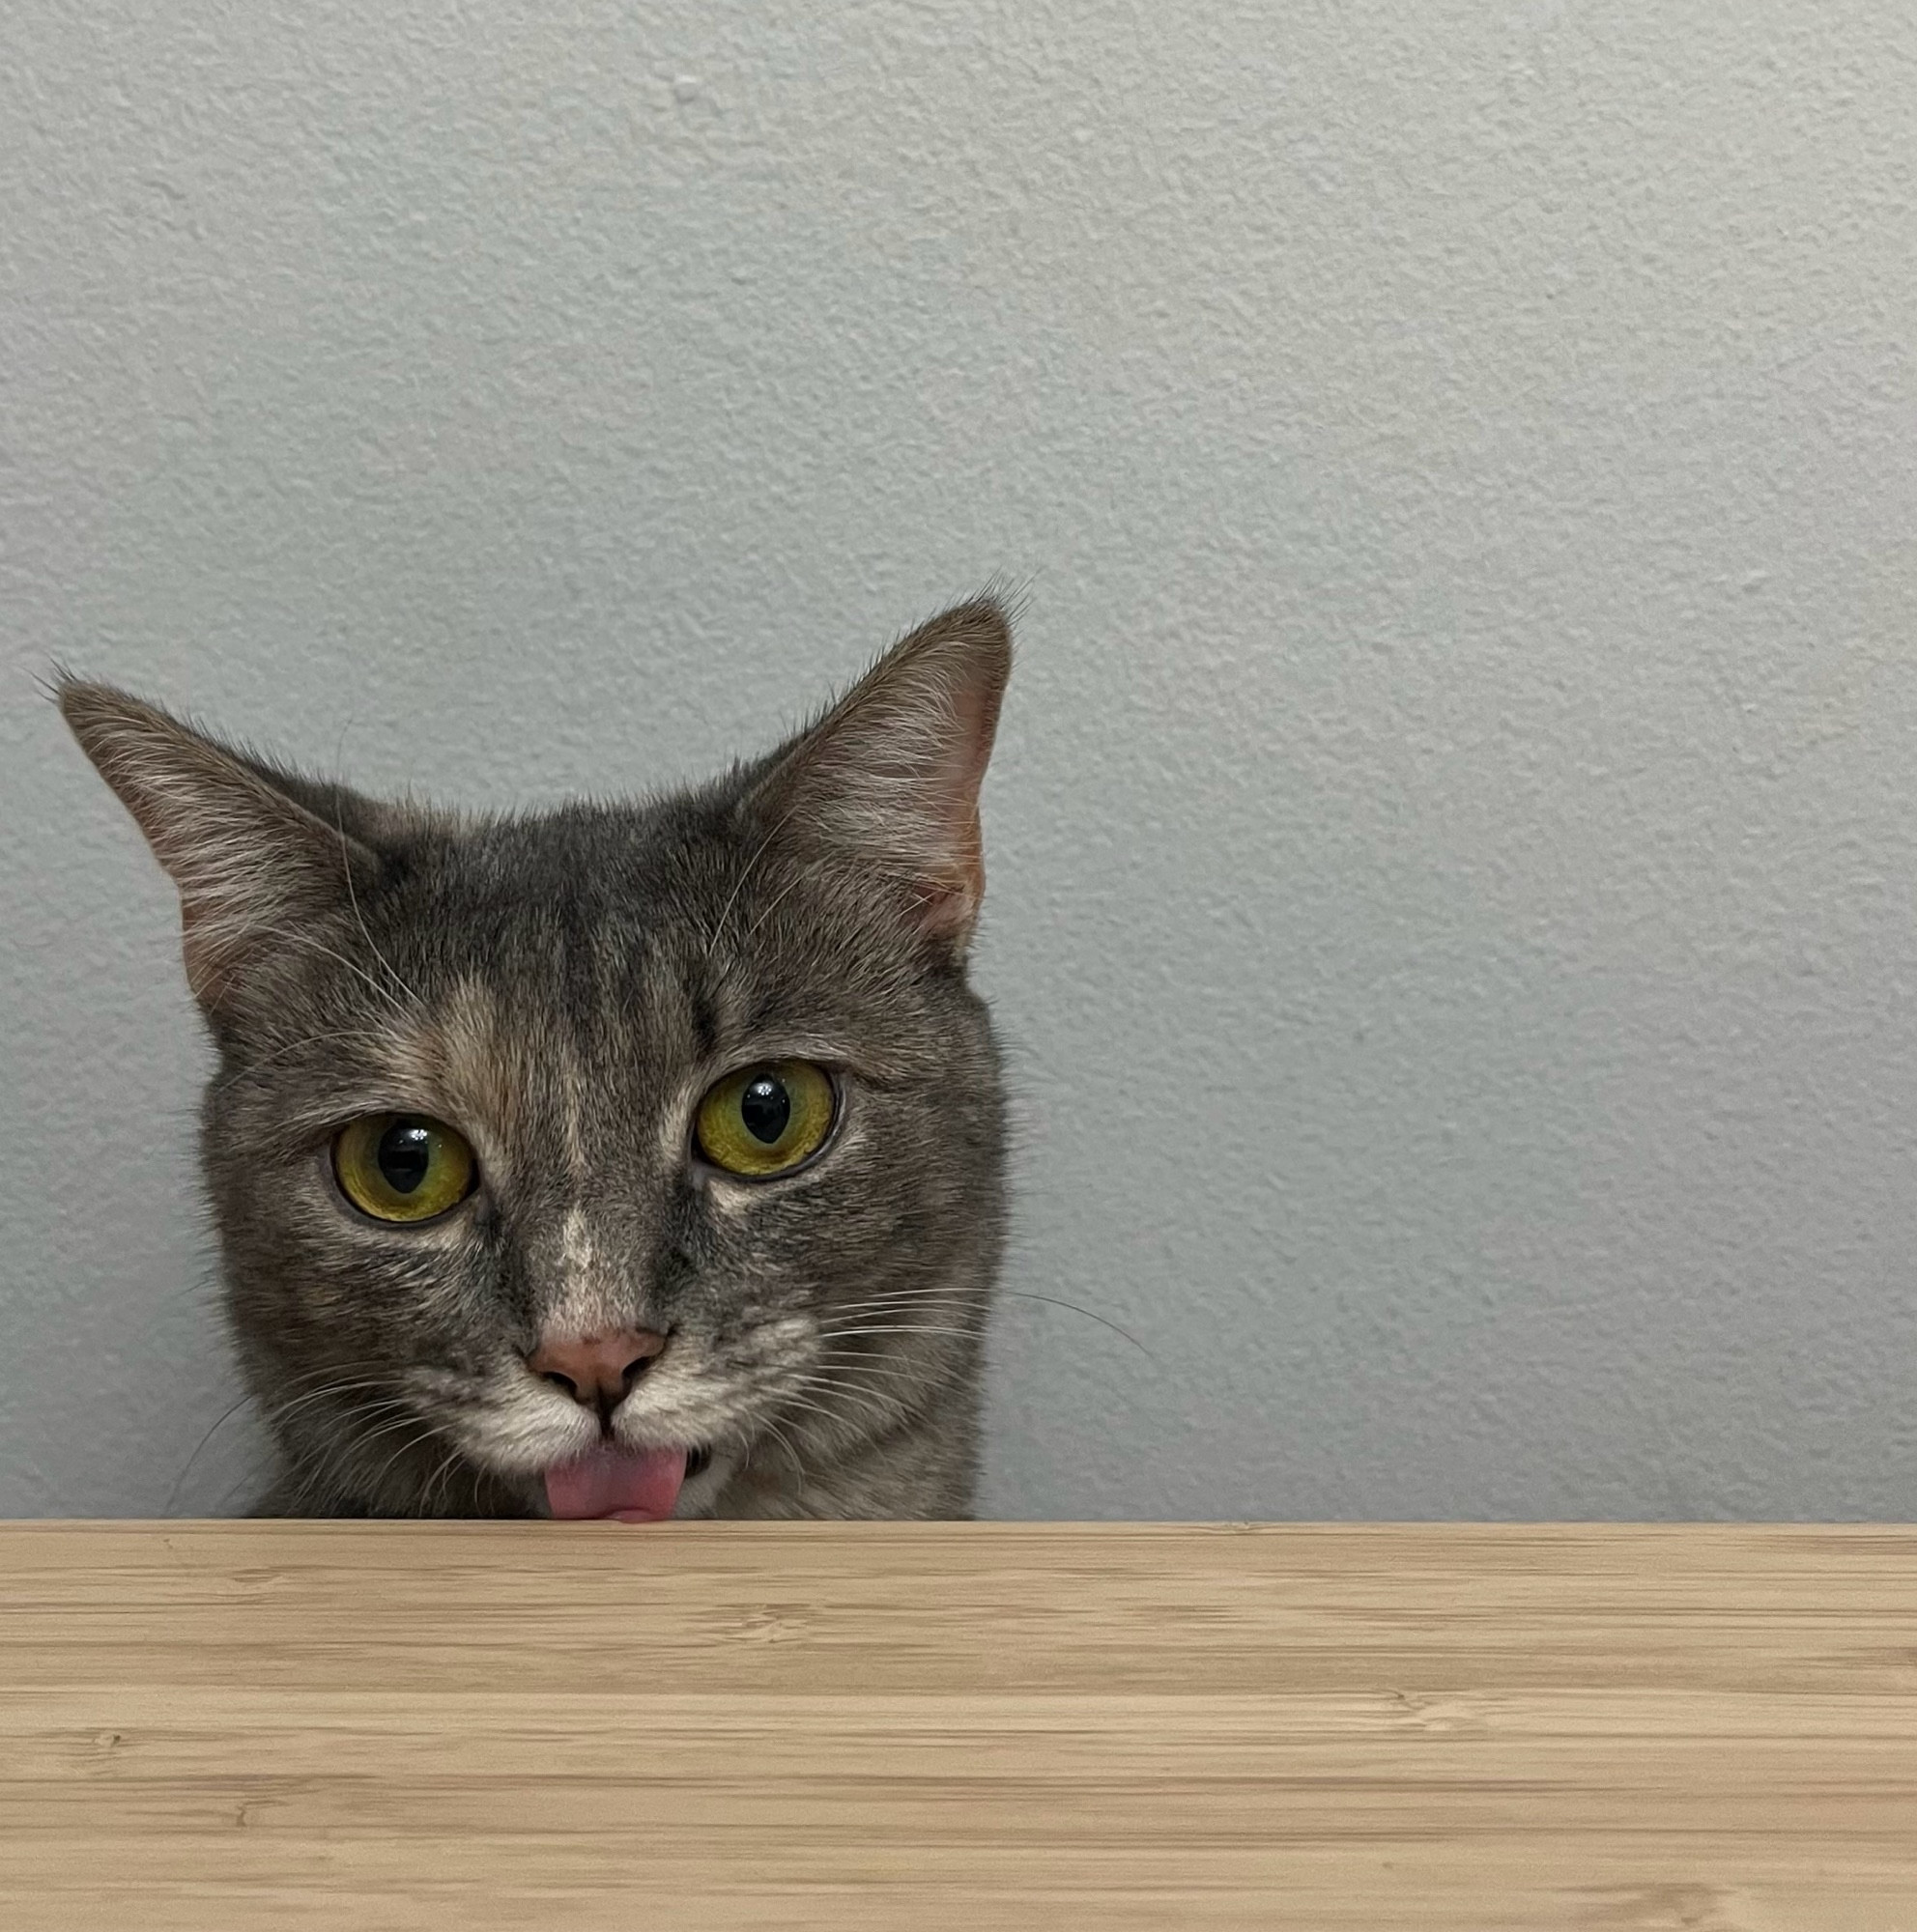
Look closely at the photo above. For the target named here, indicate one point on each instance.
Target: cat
(632, 1161)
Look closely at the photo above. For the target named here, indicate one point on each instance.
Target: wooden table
(210, 1725)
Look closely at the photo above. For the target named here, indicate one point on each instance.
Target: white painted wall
(1454, 845)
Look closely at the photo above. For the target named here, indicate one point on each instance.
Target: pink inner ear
(952, 911)
(252, 862)
(891, 775)
(948, 907)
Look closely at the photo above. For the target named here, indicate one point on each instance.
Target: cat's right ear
(889, 776)
(252, 863)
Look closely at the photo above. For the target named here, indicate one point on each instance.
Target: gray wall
(1454, 841)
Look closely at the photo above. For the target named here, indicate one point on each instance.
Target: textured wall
(1454, 844)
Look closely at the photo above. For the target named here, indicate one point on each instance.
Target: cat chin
(523, 1458)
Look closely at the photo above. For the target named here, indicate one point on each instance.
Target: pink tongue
(627, 1485)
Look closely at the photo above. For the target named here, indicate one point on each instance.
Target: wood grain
(212, 1725)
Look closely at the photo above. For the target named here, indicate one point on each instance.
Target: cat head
(559, 1159)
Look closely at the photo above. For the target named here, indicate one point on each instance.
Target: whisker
(1090, 1315)
(353, 896)
(791, 1455)
(240, 1074)
(911, 1297)
(890, 1409)
(305, 940)
(282, 1411)
(410, 1443)
(784, 892)
(879, 1364)
(902, 1328)
(759, 851)
(427, 1505)
(173, 1495)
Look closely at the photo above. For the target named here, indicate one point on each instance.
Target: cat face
(619, 1160)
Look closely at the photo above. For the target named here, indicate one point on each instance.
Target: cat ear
(254, 864)
(890, 775)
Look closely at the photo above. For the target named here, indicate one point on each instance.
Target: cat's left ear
(254, 861)
(889, 778)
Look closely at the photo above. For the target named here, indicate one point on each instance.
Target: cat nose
(597, 1370)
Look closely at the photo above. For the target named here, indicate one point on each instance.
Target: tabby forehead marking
(588, 1298)
(475, 1059)
(588, 1295)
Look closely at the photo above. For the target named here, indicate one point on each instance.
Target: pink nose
(597, 1370)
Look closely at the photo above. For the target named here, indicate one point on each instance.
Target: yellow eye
(765, 1120)
(403, 1167)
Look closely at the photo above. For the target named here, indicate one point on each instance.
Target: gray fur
(562, 988)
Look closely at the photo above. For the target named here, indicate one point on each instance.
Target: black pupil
(765, 1107)
(406, 1152)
